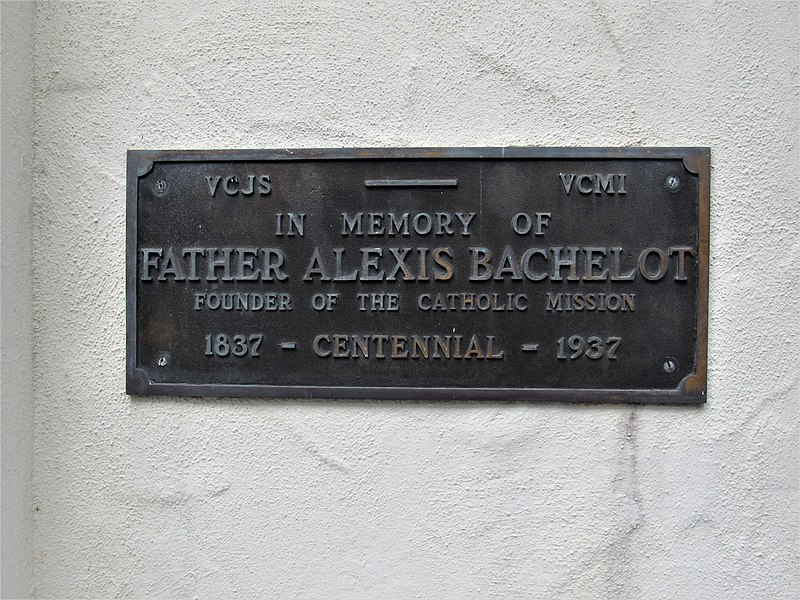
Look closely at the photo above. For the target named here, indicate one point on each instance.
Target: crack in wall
(616, 549)
(620, 561)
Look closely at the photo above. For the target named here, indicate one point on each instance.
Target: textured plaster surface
(172, 497)
(16, 313)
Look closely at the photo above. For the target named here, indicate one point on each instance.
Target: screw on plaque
(672, 183)
(162, 360)
(670, 365)
(160, 187)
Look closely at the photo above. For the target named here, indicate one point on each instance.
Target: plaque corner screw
(672, 183)
(670, 365)
(160, 187)
(162, 360)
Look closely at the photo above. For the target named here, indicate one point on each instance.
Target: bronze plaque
(550, 274)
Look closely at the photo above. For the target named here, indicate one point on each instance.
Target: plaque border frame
(691, 390)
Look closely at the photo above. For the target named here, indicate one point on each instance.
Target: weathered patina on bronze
(549, 274)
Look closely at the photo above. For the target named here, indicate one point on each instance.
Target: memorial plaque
(549, 274)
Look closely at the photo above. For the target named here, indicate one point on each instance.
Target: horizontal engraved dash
(530, 347)
(411, 182)
(288, 345)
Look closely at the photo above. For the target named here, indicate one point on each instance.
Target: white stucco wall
(16, 313)
(173, 497)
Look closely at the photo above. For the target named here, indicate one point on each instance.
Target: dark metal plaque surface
(566, 274)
